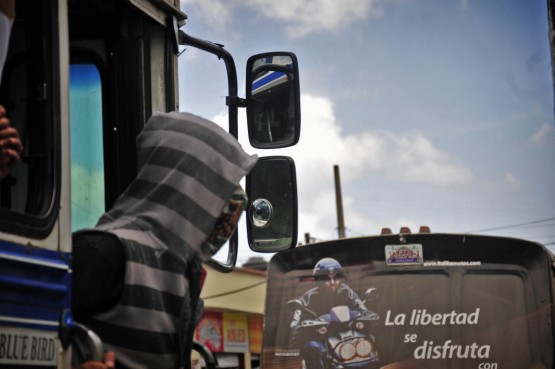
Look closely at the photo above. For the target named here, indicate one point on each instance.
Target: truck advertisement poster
(430, 301)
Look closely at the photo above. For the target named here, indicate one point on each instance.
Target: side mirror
(273, 100)
(272, 212)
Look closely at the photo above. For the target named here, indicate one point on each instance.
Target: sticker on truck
(403, 254)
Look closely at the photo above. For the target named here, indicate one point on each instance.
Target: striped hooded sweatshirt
(188, 169)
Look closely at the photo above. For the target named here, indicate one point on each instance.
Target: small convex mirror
(273, 100)
(272, 211)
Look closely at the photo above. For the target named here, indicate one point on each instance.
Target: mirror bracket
(236, 101)
(221, 53)
(229, 265)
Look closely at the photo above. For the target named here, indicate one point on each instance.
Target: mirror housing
(273, 100)
(272, 211)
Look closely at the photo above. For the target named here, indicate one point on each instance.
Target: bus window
(29, 91)
(87, 157)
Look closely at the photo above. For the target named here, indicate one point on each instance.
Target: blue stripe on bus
(35, 286)
(267, 79)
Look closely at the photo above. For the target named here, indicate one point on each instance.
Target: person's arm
(98, 273)
(354, 302)
(10, 144)
(109, 361)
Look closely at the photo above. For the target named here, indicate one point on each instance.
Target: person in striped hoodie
(137, 273)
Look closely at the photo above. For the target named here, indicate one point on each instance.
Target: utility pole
(339, 203)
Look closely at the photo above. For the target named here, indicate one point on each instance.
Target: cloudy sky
(438, 113)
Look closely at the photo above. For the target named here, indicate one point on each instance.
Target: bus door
(34, 199)
(69, 85)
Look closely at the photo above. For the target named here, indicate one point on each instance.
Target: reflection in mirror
(261, 212)
(272, 215)
(273, 111)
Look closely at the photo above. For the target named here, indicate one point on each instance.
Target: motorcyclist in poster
(328, 308)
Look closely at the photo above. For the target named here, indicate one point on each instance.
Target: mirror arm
(220, 52)
(206, 354)
(231, 257)
(236, 101)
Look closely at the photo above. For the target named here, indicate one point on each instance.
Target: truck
(438, 301)
(80, 80)
(429, 300)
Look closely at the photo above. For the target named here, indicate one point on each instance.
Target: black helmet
(326, 267)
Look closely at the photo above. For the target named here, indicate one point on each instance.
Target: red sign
(210, 331)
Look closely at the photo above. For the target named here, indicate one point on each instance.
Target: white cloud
(407, 158)
(510, 178)
(510, 182)
(311, 16)
(543, 134)
(300, 17)
(411, 158)
(216, 13)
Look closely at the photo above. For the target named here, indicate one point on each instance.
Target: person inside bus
(10, 143)
(330, 291)
(137, 274)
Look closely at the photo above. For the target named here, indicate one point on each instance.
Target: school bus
(80, 80)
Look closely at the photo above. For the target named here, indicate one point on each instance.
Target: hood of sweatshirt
(189, 168)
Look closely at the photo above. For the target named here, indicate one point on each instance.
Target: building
(231, 326)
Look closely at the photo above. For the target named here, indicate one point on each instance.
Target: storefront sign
(209, 331)
(256, 324)
(236, 332)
